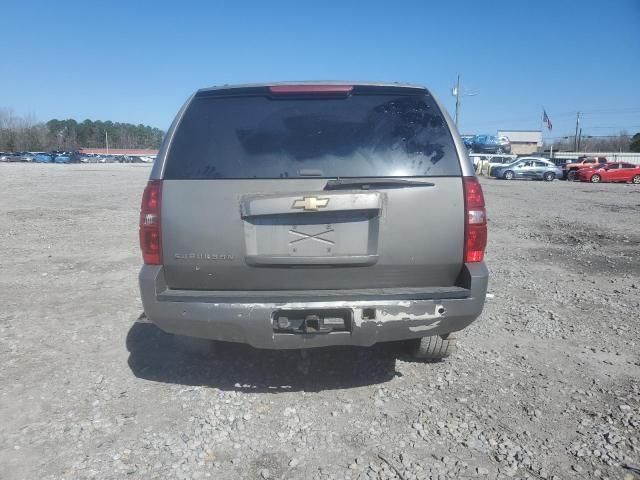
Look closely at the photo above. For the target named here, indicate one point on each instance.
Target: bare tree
(588, 143)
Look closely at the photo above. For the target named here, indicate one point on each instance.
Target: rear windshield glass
(362, 135)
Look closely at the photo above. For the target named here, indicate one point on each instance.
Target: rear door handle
(309, 202)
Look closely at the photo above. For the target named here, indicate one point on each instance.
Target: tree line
(24, 133)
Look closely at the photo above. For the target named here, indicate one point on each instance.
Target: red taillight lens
(303, 89)
(150, 233)
(475, 228)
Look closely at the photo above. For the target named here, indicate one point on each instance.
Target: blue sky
(137, 61)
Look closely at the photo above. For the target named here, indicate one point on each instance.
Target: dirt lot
(546, 384)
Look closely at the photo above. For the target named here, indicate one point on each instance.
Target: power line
(552, 115)
(569, 137)
(608, 136)
(618, 126)
(613, 111)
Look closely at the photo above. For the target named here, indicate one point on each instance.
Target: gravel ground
(546, 384)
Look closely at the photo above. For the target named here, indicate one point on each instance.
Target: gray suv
(314, 214)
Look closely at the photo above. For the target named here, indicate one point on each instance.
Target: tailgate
(263, 189)
(295, 235)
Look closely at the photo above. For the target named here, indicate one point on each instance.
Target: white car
(483, 163)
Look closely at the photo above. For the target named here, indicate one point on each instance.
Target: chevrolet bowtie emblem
(310, 203)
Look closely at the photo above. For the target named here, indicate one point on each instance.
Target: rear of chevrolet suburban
(307, 215)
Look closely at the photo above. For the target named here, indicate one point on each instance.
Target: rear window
(361, 135)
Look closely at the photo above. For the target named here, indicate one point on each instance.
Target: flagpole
(542, 127)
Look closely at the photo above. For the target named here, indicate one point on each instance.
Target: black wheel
(508, 175)
(432, 349)
(636, 179)
(549, 176)
(500, 150)
(595, 178)
(572, 175)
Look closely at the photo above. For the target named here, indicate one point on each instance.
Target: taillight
(150, 234)
(475, 228)
(308, 89)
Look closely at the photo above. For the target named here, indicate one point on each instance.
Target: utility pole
(575, 139)
(457, 92)
(106, 141)
(579, 138)
(457, 99)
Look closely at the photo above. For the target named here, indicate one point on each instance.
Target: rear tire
(595, 178)
(549, 176)
(571, 176)
(636, 179)
(432, 349)
(508, 175)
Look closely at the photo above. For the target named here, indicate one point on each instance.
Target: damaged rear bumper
(376, 315)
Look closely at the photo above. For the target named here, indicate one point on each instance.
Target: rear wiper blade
(367, 183)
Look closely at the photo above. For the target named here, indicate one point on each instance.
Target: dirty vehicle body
(308, 215)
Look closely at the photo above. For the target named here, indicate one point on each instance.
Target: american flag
(545, 119)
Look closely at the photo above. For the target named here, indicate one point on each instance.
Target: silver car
(528, 167)
(307, 215)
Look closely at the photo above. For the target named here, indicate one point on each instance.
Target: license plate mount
(312, 321)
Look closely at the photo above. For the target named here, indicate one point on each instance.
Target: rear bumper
(247, 317)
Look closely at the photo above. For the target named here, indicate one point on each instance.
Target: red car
(611, 172)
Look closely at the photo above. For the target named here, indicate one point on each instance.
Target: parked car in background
(561, 162)
(467, 140)
(476, 161)
(611, 172)
(498, 161)
(11, 157)
(506, 144)
(301, 248)
(90, 158)
(62, 158)
(570, 170)
(528, 167)
(27, 157)
(490, 144)
(43, 158)
(484, 162)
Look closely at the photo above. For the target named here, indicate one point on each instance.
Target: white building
(523, 142)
